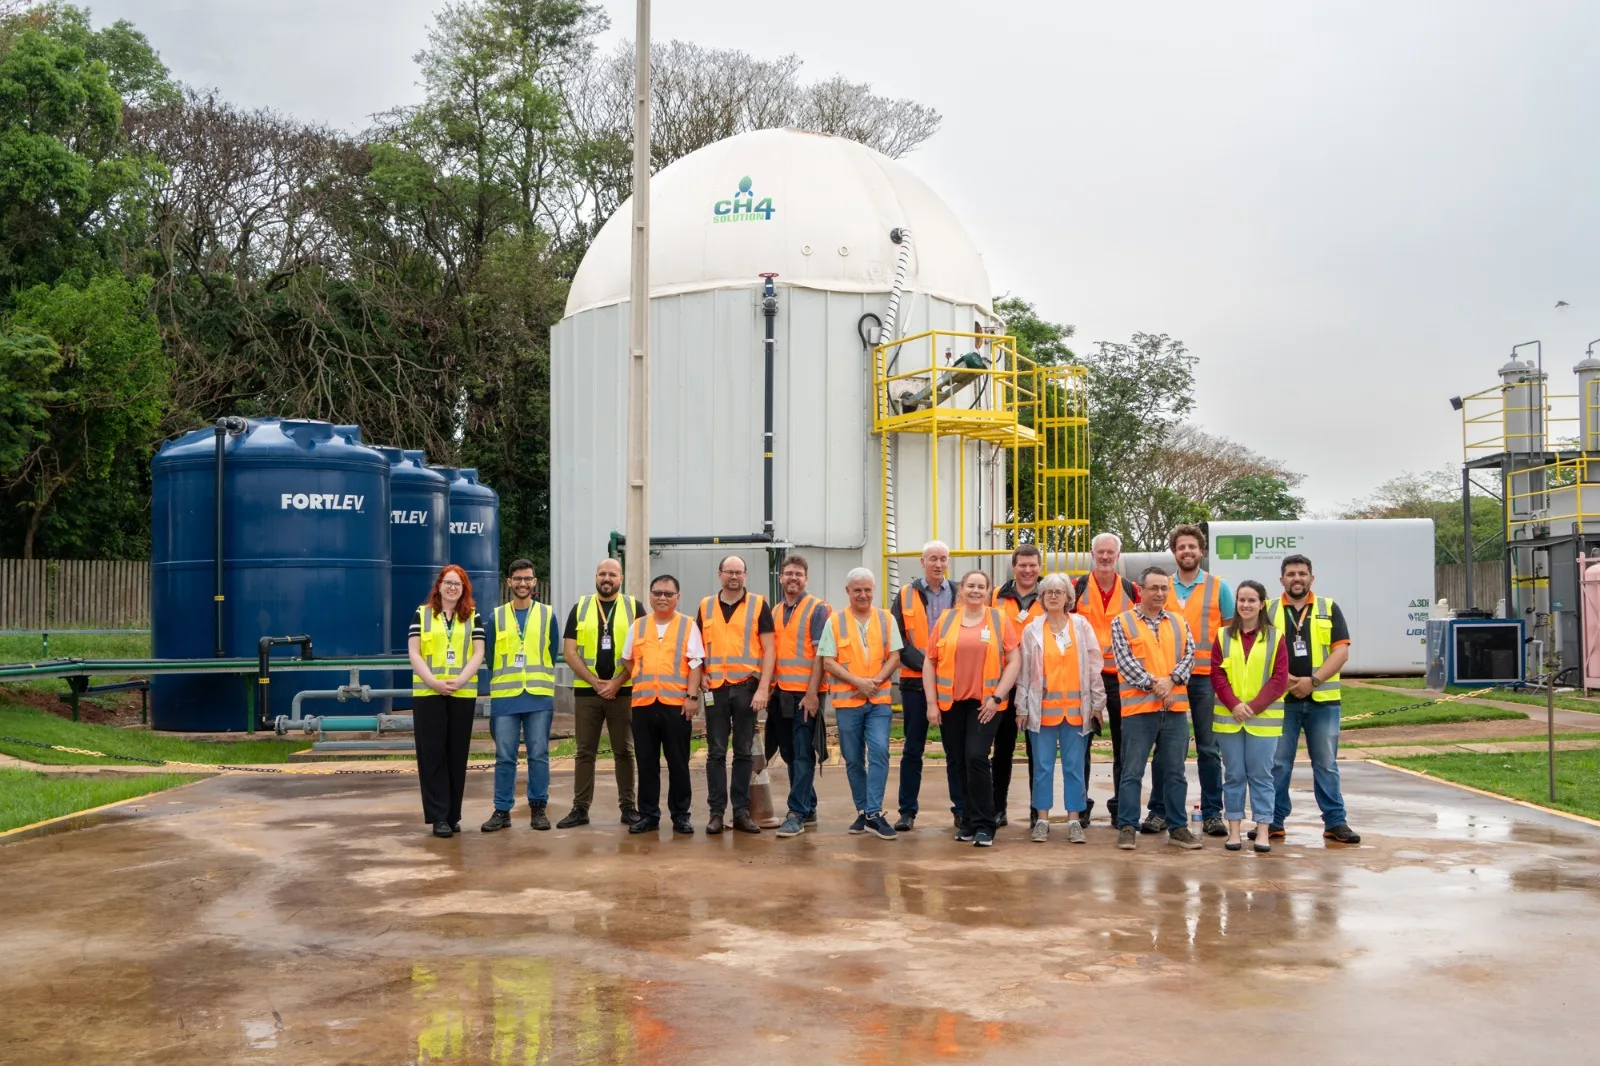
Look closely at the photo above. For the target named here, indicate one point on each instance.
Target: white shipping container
(1379, 572)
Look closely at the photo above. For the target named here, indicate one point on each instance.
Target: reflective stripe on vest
(537, 675)
(1204, 615)
(862, 661)
(588, 636)
(732, 656)
(1062, 699)
(915, 614)
(660, 673)
(1319, 636)
(797, 652)
(1168, 644)
(950, 636)
(1247, 676)
(435, 640)
(1100, 616)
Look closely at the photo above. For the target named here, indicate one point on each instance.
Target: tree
(1436, 494)
(1256, 498)
(26, 362)
(1043, 342)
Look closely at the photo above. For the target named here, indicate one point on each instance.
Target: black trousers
(442, 726)
(660, 729)
(967, 743)
(1005, 753)
(730, 718)
(1114, 716)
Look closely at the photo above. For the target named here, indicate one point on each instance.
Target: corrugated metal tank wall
(706, 395)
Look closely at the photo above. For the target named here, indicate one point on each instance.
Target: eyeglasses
(523, 580)
(666, 594)
(449, 584)
(740, 572)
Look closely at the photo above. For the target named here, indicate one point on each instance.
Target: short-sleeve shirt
(1300, 665)
(827, 647)
(971, 651)
(605, 659)
(477, 627)
(694, 650)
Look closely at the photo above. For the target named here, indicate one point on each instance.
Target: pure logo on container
(1242, 546)
(743, 207)
(321, 501)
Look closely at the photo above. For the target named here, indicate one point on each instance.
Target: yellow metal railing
(1486, 419)
(1037, 414)
(1559, 494)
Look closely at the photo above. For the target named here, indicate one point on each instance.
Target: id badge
(1299, 646)
(711, 698)
(983, 634)
(605, 642)
(520, 661)
(450, 657)
(1022, 616)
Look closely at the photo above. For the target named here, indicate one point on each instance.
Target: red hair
(463, 605)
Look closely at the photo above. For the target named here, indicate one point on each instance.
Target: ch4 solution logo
(743, 207)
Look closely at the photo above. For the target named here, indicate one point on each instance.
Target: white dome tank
(818, 211)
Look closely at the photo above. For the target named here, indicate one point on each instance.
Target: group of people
(1044, 655)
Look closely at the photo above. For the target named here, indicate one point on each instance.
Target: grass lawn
(1363, 701)
(1537, 699)
(27, 796)
(1371, 740)
(30, 724)
(1522, 776)
(62, 646)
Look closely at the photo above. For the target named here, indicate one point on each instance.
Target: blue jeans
(1247, 759)
(1072, 743)
(1166, 733)
(508, 731)
(1202, 701)
(864, 742)
(795, 744)
(1321, 724)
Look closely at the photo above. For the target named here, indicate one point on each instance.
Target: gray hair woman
(1060, 698)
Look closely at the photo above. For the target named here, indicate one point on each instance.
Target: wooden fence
(1488, 584)
(74, 594)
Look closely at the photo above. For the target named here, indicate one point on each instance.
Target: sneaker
(1341, 834)
(1214, 826)
(537, 817)
(792, 826)
(442, 829)
(963, 835)
(810, 821)
(880, 825)
(1181, 837)
(578, 816)
(1000, 819)
(983, 839)
(1127, 838)
(497, 820)
(1075, 834)
(629, 816)
(906, 824)
(1153, 824)
(858, 826)
(1040, 831)
(1083, 818)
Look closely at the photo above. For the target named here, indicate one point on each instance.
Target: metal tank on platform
(419, 544)
(303, 532)
(475, 547)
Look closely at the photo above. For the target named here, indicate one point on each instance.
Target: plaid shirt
(1132, 670)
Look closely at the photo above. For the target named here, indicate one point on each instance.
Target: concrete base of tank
(311, 920)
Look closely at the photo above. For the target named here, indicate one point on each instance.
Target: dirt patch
(115, 709)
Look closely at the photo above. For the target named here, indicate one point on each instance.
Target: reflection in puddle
(520, 1010)
(890, 1039)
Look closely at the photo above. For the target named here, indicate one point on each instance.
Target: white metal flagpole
(638, 513)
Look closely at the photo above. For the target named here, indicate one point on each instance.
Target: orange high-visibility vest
(915, 613)
(796, 650)
(1013, 610)
(1100, 617)
(660, 664)
(863, 661)
(1203, 611)
(733, 650)
(1159, 652)
(994, 654)
(1063, 682)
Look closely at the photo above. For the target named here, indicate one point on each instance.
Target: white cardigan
(1030, 681)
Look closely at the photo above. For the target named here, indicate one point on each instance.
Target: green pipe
(357, 724)
(81, 667)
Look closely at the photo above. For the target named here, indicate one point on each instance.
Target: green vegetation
(27, 649)
(1523, 776)
(1535, 699)
(27, 723)
(1374, 740)
(28, 796)
(1364, 701)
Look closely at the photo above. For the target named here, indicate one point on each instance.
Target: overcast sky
(1348, 211)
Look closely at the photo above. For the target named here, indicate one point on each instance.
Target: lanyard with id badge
(521, 659)
(1299, 646)
(449, 642)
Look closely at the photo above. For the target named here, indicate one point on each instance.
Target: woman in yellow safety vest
(1250, 673)
(446, 649)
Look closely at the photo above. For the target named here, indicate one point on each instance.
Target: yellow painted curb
(1485, 792)
(7, 834)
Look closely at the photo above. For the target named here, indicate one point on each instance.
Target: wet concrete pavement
(273, 919)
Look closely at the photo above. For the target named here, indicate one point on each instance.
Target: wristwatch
(1315, 681)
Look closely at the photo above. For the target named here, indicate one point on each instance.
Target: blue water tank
(419, 544)
(475, 546)
(305, 547)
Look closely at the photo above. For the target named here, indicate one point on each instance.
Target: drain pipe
(224, 427)
(891, 324)
(769, 309)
